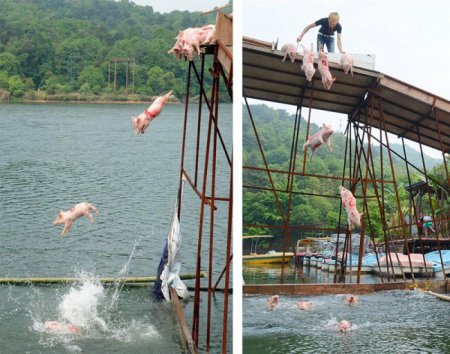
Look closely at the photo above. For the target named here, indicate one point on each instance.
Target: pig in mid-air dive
(324, 69)
(289, 49)
(68, 217)
(190, 40)
(308, 62)
(142, 121)
(347, 63)
(349, 203)
(273, 302)
(317, 139)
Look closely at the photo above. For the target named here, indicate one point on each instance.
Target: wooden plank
(185, 331)
(224, 29)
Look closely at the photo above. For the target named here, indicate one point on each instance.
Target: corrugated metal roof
(407, 110)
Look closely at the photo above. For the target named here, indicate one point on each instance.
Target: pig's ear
(324, 125)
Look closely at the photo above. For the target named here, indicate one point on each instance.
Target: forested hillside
(63, 46)
(275, 128)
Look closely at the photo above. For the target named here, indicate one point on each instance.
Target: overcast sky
(182, 5)
(409, 38)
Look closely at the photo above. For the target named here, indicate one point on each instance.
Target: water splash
(118, 284)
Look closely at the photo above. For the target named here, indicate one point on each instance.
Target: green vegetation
(275, 128)
(60, 49)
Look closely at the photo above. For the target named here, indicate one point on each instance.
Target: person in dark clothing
(325, 37)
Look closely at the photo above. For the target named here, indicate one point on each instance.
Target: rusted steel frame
(199, 121)
(335, 278)
(375, 187)
(213, 117)
(292, 160)
(308, 126)
(409, 163)
(351, 179)
(213, 193)
(195, 189)
(186, 336)
(183, 144)
(414, 207)
(364, 188)
(298, 193)
(429, 199)
(280, 208)
(400, 213)
(440, 141)
(294, 227)
(196, 316)
(227, 265)
(216, 284)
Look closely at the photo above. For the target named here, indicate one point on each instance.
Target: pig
(289, 49)
(273, 302)
(327, 79)
(317, 139)
(344, 326)
(304, 305)
(347, 63)
(349, 203)
(142, 121)
(68, 217)
(351, 299)
(60, 327)
(308, 62)
(190, 39)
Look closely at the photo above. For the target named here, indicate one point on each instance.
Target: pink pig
(289, 49)
(347, 63)
(305, 305)
(59, 327)
(192, 38)
(273, 302)
(327, 79)
(68, 217)
(349, 203)
(142, 121)
(344, 326)
(308, 62)
(317, 139)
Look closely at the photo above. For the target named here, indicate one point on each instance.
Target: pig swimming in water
(317, 139)
(273, 302)
(289, 49)
(304, 305)
(349, 203)
(344, 326)
(142, 121)
(59, 327)
(322, 64)
(68, 217)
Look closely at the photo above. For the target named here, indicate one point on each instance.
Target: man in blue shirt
(325, 37)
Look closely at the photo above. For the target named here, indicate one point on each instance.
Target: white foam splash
(79, 305)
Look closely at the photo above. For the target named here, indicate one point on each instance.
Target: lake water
(56, 155)
(386, 322)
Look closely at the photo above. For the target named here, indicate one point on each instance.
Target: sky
(182, 5)
(408, 38)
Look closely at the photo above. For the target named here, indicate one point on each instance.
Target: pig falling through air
(142, 121)
(289, 49)
(68, 217)
(347, 63)
(308, 62)
(317, 139)
(349, 203)
(322, 64)
(190, 40)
